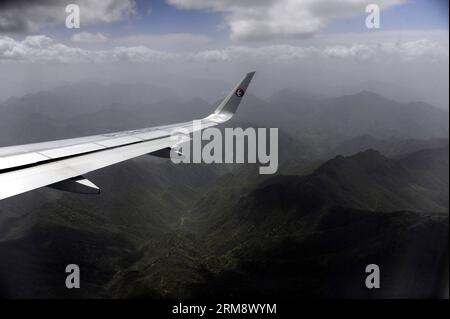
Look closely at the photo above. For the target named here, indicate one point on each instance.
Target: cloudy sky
(317, 46)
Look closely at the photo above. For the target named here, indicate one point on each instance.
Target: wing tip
(229, 105)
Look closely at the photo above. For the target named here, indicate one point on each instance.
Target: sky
(200, 46)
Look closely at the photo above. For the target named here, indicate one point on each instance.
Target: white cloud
(42, 49)
(271, 19)
(163, 40)
(106, 11)
(139, 54)
(32, 16)
(87, 37)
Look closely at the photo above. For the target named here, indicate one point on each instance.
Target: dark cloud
(15, 4)
(20, 16)
(25, 16)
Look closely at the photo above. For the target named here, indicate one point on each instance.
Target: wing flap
(70, 150)
(20, 160)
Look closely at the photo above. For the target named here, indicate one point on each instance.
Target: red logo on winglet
(240, 92)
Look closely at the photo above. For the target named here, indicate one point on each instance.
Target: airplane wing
(61, 164)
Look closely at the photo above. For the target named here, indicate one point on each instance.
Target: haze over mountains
(362, 179)
(74, 109)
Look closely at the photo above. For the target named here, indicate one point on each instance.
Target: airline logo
(240, 92)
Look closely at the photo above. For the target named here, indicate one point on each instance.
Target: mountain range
(362, 179)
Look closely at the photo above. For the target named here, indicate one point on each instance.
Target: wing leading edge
(27, 167)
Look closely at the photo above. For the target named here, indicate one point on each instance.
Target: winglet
(229, 105)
